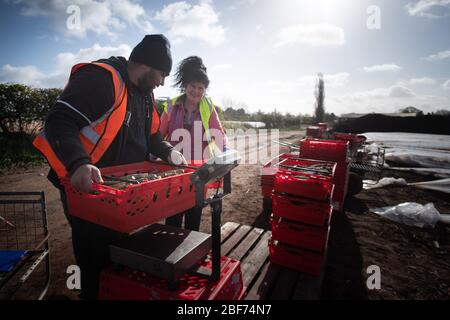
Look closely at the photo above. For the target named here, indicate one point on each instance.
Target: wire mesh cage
(24, 247)
(369, 159)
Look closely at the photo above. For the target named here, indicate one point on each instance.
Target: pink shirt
(176, 119)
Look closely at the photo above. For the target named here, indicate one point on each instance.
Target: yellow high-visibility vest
(206, 109)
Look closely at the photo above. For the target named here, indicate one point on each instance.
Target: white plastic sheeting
(410, 141)
(387, 181)
(442, 185)
(436, 172)
(415, 151)
(411, 214)
(419, 158)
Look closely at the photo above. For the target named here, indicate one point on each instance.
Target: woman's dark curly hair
(190, 70)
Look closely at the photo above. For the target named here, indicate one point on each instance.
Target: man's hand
(177, 158)
(83, 177)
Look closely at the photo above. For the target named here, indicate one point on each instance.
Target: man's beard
(145, 84)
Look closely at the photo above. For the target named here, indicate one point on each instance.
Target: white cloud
(306, 83)
(260, 28)
(425, 8)
(297, 95)
(418, 82)
(100, 17)
(446, 85)
(186, 21)
(29, 75)
(313, 35)
(438, 56)
(387, 99)
(377, 93)
(66, 60)
(32, 76)
(133, 13)
(246, 2)
(383, 67)
(422, 81)
(398, 91)
(292, 95)
(336, 80)
(331, 80)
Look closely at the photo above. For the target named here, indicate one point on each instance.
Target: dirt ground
(414, 263)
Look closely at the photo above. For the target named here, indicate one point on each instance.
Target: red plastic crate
(271, 167)
(284, 163)
(314, 132)
(295, 164)
(300, 235)
(307, 211)
(296, 258)
(266, 191)
(353, 138)
(325, 150)
(268, 172)
(129, 284)
(136, 206)
(304, 185)
(341, 184)
(322, 125)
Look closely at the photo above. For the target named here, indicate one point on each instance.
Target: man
(105, 116)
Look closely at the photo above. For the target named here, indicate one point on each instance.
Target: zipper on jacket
(126, 125)
(148, 104)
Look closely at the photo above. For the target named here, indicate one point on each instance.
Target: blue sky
(377, 56)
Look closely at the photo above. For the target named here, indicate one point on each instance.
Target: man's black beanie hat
(153, 51)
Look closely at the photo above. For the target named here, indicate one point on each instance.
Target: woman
(193, 118)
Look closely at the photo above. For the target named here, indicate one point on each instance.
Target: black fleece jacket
(87, 96)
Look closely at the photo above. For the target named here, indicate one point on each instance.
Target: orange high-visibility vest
(98, 135)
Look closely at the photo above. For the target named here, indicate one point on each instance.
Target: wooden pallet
(265, 281)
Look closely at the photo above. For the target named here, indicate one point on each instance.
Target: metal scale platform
(163, 251)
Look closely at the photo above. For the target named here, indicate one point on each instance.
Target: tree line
(275, 119)
(23, 110)
(22, 113)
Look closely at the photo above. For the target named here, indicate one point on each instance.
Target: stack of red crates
(355, 140)
(317, 131)
(301, 206)
(314, 132)
(335, 151)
